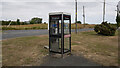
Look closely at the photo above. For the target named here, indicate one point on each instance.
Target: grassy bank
(39, 26)
(29, 50)
(25, 27)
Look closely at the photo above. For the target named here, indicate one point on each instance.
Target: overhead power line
(110, 4)
(106, 3)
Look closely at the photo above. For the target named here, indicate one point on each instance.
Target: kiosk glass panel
(66, 35)
(66, 26)
(55, 28)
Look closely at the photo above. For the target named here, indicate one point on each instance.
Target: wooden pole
(76, 16)
(104, 11)
(84, 16)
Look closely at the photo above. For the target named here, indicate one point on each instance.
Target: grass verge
(98, 48)
(28, 50)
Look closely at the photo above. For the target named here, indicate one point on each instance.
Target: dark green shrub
(79, 22)
(105, 29)
(24, 23)
(34, 27)
(27, 28)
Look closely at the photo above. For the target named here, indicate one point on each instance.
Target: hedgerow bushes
(105, 29)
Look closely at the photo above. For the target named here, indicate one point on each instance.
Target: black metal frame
(61, 17)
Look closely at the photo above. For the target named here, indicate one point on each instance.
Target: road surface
(72, 60)
(6, 34)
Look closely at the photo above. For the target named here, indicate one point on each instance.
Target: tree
(24, 23)
(5, 22)
(14, 23)
(18, 21)
(118, 20)
(79, 22)
(44, 22)
(36, 20)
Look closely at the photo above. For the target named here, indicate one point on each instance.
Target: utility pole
(84, 16)
(117, 17)
(104, 11)
(117, 10)
(76, 16)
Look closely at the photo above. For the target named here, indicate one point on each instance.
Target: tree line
(37, 20)
(34, 20)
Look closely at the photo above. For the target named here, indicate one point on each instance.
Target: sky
(27, 9)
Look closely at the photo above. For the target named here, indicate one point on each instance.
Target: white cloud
(58, 0)
(0, 10)
(119, 5)
(27, 10)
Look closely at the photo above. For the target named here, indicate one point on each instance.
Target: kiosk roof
(56, 13)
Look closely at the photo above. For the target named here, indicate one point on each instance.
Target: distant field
(25, 27)
(80, 26)
(41, 26)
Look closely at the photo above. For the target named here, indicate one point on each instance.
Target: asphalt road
(6, 34)
(72, 60)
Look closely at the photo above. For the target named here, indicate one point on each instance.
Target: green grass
(102, 49)
(26, 50)
(20, 51)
